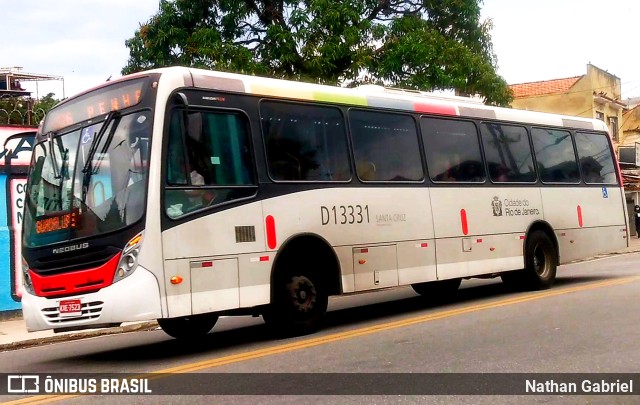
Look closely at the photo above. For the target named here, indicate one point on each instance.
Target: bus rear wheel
(299, 303)
(540, 265)
(437, 290)
(188, 327)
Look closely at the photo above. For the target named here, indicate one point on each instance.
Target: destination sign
(98, 102)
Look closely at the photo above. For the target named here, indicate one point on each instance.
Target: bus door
(209, 166)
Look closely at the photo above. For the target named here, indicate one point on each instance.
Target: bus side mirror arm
(8, 155)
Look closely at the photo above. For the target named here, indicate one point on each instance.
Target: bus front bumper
(135, 298)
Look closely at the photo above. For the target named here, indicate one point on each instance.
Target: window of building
(209, 161)
(385, 146)
(555, 156)
(508, 153)
(596, 160)
(305, 142)
(600, 115)
(613, 127)
(453, 150)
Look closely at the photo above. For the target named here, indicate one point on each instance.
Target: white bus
(182, 195)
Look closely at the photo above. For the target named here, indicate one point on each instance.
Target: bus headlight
(26, 278)
(129, 260)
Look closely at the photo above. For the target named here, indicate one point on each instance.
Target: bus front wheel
(299, 303)
(540, 265)
(188, 327)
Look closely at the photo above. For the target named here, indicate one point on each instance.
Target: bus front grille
(90, 310)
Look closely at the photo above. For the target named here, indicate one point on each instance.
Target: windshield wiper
(87, 170)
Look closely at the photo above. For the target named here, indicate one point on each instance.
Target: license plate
(70, 308)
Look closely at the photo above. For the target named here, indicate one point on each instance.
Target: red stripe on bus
(75, 282)
(270, 224)
(434, 108)
(580, 216)
(463, 219)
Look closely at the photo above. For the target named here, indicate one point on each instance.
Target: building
(12, 80)
(595, 94)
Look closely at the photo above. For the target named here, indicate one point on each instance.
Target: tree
(25, 110)
(415, 44)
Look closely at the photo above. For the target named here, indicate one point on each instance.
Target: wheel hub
(539, 262)
(303, 293)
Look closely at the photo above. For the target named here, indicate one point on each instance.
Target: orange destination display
(56, 223)
(112, 98)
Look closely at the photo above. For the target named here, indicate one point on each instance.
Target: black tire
(299, 303)
(541, 264)
(437, 290)
(188, 327)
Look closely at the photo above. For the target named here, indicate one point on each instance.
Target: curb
(69, 336)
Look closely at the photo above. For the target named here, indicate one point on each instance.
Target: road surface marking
(335, 337)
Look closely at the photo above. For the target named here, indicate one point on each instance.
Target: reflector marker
(200, 265)
(270, 226)
(264, 258)
(364, 250)
(579, 209)
(463, 221)
(422, 245)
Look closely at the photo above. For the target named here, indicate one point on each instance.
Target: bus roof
(368, 96)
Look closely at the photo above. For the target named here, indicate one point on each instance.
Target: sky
(84, 41)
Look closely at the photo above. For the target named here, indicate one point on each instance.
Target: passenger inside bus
(591, 170)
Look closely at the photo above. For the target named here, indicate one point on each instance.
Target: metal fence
(19, 111)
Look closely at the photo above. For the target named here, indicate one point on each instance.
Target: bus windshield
(88, 181)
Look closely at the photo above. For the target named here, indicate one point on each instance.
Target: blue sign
(605, 193)
(87, 135)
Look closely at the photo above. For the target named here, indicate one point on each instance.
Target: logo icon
(22, 384)
(496, 204)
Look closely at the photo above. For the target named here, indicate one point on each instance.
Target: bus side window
(596, 160)
(555, 155)
(385, 146)
(304, 142)
(176, 169)
(453, 150)
(219, 161)
(508, 153)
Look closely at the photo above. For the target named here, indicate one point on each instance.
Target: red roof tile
(543, 87)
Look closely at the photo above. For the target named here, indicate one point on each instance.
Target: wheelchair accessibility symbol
(605, 193)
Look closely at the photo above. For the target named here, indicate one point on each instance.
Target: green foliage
(24, 110)
(423, 45)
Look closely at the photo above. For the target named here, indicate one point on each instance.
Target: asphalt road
(588, 323)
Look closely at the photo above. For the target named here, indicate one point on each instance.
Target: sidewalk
(14, 335)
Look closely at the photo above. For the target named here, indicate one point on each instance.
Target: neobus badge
(70, 248)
